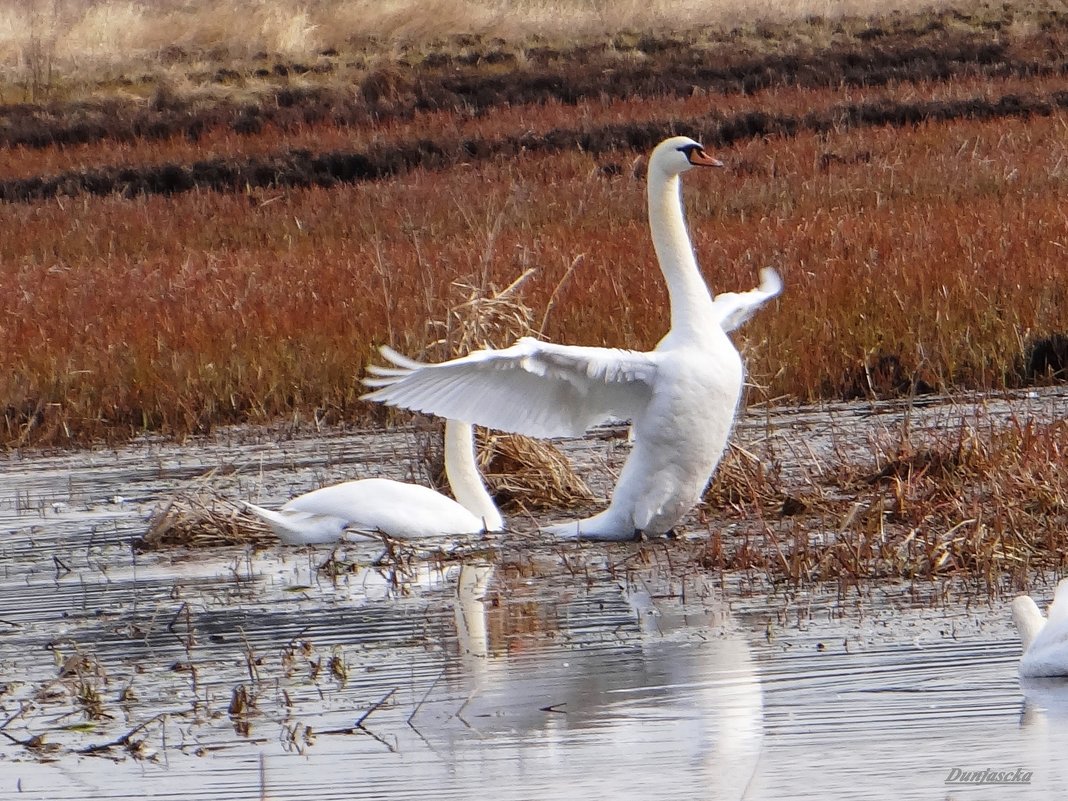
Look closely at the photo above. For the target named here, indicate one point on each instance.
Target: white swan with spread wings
(393, 508)
(681, 397)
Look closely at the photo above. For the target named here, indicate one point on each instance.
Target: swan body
(393, 508)
(681, 397)
(1045, 639)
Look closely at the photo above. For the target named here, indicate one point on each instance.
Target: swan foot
(590, 531)
(643, 536)
(578, 532)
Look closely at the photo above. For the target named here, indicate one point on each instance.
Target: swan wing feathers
(1054, 633)
(534, 388)
(734, 308)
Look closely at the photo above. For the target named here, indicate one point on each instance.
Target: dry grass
(990, 505)
(203, 520)
(66, 33)
(225, 143)
(938, 246)
(527, 475)
(117, 48)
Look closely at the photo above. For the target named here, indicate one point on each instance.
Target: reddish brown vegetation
(909, 193)
(306, 168)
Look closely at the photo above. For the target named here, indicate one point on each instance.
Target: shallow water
(529, 671)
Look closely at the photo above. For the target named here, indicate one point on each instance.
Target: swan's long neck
(464, 477)
(691, 302)
(1028, 619)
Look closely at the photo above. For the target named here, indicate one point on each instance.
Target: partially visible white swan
(681, 397)
(1045, 639)
(381, 505)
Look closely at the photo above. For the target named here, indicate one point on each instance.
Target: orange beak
(699, 158)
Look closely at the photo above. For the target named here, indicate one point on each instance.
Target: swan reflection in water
(680, 706)
(1044, 661)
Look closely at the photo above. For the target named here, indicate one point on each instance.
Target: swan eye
(696, 155)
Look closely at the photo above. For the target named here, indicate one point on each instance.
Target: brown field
(204, 233)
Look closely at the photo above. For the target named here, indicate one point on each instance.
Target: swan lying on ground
(1045, 639)
(393, 508)
(681, 397)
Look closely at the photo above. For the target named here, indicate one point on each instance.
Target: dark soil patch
(885, 376)
(1046, 358)
(304, 168)
(476, 77)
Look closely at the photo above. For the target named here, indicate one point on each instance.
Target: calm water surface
(529, 672)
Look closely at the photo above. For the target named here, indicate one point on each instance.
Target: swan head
(1028, 619)
(676, 155)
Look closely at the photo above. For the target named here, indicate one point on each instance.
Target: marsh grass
(918, 259)
(987, 504)
(921, 248)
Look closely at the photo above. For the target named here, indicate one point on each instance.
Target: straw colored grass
(65, 48)
(201, 519)
(523, 474)
(80, 31)
(528, 475)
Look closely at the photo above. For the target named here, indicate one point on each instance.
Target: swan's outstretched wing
(734, 308)
(534, 388)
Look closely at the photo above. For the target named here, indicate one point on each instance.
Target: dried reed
(522, 473)
(202, 519)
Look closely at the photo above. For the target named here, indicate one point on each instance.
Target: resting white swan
(681, 396)
(403, 511)
(1045, 639)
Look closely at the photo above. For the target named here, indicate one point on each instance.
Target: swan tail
(300, 528)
